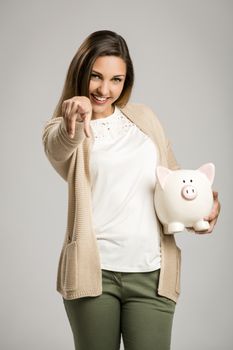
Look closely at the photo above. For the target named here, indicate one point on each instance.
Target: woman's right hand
(77, 108)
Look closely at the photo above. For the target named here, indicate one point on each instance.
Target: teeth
(100, 98)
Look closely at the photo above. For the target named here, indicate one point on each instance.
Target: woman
(118, 272)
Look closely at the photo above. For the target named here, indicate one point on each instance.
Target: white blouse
(122, 163)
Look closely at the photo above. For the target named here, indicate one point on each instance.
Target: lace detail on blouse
(114, 126)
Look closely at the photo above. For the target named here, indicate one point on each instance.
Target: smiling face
(106, 84)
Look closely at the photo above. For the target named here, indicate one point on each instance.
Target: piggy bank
(184, 197)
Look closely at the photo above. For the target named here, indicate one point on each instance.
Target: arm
(58, 145)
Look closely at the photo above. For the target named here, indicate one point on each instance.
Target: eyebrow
(115, 76)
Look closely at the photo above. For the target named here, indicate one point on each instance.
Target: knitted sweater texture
(79, 272)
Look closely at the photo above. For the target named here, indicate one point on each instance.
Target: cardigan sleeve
(57, 142)
(58, 145)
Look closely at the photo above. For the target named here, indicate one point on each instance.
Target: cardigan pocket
(178, 269)
(69, 268)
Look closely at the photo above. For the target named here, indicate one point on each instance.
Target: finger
(213, 215)
(64, 110)
(87, 127)
(68, 119)
(68, 107)
(73, 117)
(215, 211)
(212, 224)
(215, 194)
(72, 126)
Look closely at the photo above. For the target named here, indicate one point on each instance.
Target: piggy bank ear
(162, 175)
(209, 170)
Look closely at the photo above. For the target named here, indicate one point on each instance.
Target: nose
(189, 192)
(103, 89)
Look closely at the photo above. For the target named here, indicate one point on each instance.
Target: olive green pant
(129, 305)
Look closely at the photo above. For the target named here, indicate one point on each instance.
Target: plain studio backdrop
(182, 53)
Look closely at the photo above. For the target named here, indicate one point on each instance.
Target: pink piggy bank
(184, 197)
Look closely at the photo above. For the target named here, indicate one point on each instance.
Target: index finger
(71, 127)
(87, 127)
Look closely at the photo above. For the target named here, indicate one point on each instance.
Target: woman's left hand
(213, 217)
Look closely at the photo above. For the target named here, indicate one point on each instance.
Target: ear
(162, 175)
(209, 170)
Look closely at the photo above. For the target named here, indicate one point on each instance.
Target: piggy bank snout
(189, 192)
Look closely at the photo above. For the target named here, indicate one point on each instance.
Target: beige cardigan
(79, 270)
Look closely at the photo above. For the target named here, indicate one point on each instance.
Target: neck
(103, 115)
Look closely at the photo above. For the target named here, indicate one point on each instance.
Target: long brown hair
(99, 43)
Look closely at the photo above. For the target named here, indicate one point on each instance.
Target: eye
(117, 80)
(95, 76)
(191, 180)
(184, 181)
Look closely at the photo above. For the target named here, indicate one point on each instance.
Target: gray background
(182, 53)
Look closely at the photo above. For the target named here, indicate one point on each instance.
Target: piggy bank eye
(184, 181)
(191, 180)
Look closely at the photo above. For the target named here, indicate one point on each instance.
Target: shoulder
(137, 108)
(141, 110)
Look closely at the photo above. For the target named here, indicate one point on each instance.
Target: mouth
(100, 100)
